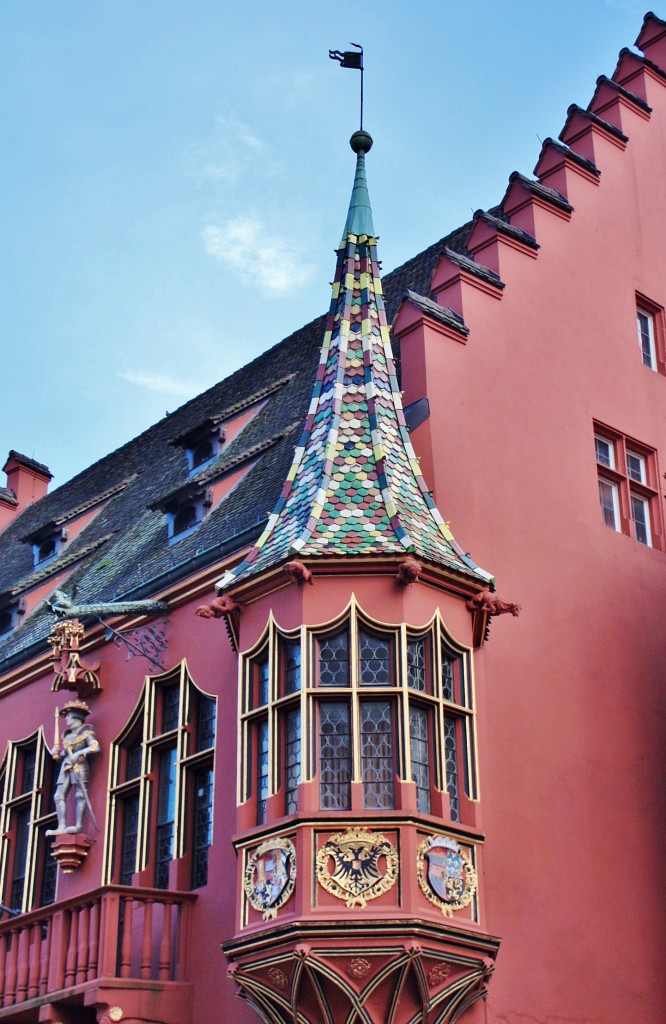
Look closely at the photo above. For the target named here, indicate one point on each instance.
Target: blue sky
(176, 174)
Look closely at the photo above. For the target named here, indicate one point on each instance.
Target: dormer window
(10, 615)
(202, 444)
(202, 453)
(47, 545)
(184, 517)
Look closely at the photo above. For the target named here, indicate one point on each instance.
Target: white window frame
(642, 477)
(649, 358)
(615, 503)
(599, 440)
(645, 523)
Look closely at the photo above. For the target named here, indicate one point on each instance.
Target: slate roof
(124, 551)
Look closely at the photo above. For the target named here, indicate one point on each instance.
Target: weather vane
(350, 59)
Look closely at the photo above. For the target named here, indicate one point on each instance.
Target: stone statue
(78, 743)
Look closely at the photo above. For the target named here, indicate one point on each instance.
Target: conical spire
(359, 218)
(355, 486)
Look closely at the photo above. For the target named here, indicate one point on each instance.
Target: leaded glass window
(26, 812)
(420, 756)
(262, 770)
(134, 760)
(292, 667)
(377, 755)
(334, 660)
(403, 688)
(21, 836)
(292, 760)
(203, 826)
(129, 841)
(170, 707)
(374, 661)
(206, 714)
(448, 678)
(157, 795)
(49, 875)
(164, 833)
(263, 682)
(416, 664)
(451, 752)
(335, 760)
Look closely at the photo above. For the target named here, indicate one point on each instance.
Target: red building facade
(342, 791)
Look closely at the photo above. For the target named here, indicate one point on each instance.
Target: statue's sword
(80, 785)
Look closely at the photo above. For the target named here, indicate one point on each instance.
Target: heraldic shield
(364, 863)
(270, 876)
(446, 874)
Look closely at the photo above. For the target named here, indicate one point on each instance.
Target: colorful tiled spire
(355, 486)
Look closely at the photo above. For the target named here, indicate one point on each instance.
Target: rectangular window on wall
(650, 333)
(645, 330)
(628, 477)
(610, 508)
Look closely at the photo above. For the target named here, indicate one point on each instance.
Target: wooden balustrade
(113, 932)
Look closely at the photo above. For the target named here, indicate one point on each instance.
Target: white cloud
(267, 261)
(228, 154)
(162, 383)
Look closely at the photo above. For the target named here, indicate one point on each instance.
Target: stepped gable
(124, 551)
(355, 486)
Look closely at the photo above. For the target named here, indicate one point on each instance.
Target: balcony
(115, 945)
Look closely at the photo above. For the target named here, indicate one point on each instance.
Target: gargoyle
(408, 572)
(486, 601)
(64, 608)
(298, 572)
(222, 605)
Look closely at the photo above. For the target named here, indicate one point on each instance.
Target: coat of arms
(446, 874)
(357, 865)
(270, 876)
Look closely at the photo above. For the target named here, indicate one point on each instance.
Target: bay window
(356, 709)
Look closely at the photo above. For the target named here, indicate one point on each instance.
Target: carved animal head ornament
(65, 608)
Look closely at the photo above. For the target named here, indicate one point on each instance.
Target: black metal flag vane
(351, 59)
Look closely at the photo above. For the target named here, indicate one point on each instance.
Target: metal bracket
(147, 642)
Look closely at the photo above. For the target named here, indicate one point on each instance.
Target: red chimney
(27, 482)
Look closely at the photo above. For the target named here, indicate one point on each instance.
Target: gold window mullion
(243, 752)
(149, 714)
(111, 812)
(403, 729)
(273, 696)
(181, 771)
(4, 823)
(33, 828)
(438, 726)
(354, 655)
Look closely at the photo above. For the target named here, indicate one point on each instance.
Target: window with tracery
(28, 873)
(161, 808)
(357, 703)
